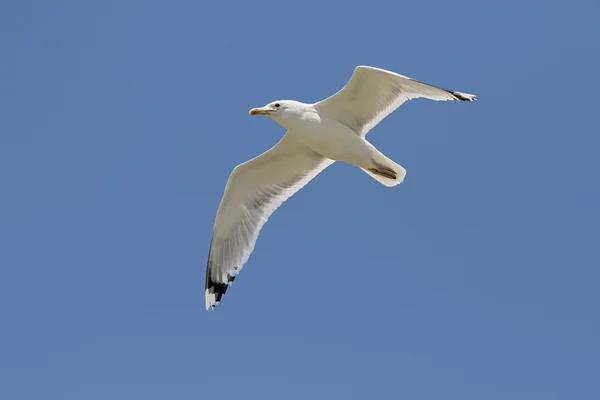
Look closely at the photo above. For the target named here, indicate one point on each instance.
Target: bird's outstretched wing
(371, 94)
(254, 190)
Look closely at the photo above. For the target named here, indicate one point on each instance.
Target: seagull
(318, 134)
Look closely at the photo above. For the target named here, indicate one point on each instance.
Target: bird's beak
(261, 111)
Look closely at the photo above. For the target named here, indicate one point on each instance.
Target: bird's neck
(300, 119)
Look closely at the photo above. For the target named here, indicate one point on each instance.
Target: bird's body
(327, 136)
(317, 135)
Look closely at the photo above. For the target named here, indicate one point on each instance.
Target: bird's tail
(385, 170)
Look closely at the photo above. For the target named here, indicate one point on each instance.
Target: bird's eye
(277, 105)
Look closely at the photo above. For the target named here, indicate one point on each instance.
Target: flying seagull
(317, 135)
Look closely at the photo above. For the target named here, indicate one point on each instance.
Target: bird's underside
(256, 188)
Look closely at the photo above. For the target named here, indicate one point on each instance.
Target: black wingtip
(463, 96)
(218, 289)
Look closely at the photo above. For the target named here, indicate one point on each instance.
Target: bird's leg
(384, 171)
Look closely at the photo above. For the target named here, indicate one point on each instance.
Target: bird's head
(277, 109)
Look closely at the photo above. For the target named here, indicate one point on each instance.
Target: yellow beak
(261, 111)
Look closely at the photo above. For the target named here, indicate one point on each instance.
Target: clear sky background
(477, 278)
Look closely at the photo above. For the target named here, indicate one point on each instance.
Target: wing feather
(371, 94)
(254, 190)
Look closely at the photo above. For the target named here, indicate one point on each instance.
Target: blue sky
(477, 278)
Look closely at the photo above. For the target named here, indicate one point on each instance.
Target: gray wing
(254, 190)
(371, 94)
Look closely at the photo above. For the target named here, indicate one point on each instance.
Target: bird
(318, 134)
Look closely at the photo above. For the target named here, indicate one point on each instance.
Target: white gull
(317, 135)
